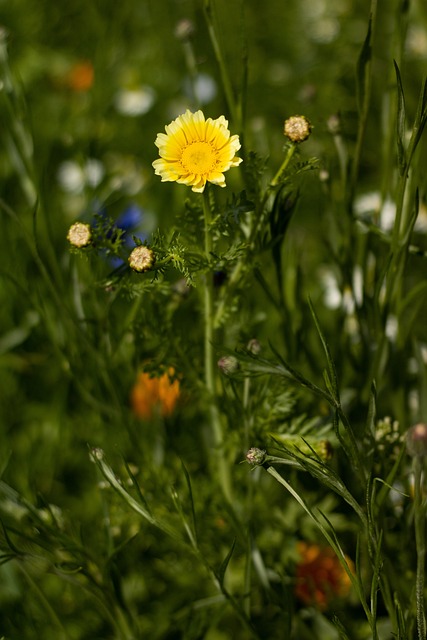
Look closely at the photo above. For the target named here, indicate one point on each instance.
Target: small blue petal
(130, 218)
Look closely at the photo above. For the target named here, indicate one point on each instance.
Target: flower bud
(142, 259)
(96, 454)
(334, 124)
(228, 365)
(416, 440)
(255, 456)
(297, 128)
(79, 235)
(254, 346)
(184, 29)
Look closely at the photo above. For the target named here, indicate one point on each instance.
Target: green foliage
(280, 327)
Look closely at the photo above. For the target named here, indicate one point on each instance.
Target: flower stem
(419, 515)
(223, 69)
(284, 165)
(215, 418)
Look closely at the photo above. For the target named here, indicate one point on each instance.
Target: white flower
(135, 102)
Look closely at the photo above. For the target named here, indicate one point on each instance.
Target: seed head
(79, 235)
(142, 259)
(297, 128)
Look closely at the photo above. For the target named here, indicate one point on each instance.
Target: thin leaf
(372, 410)
(328, 533)
(137, 487)
(400, 122)
(420, 119)
(362, 68)
(109, 475)
(9, 541)
(190, 494)
(340, 628)
(224, 564)
(332, 373)
(302, 380)
(375, 583)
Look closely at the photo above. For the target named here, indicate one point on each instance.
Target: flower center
(199, 157)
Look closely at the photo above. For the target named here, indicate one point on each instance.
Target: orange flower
(154, 395)
(80, 76)
(319, 576)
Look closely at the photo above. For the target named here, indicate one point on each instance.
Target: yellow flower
(154, 395)
(195, 151)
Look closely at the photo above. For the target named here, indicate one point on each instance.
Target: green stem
(223, 69)
(62, 633)
(330, 537)
(419, 514)
(215, 419)
(364, 109)
(284, 165)
(256, 227)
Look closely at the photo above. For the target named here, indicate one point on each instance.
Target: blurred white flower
(125, 173)
(387, 215)
(370, 205)
(421, 222)
(73, 178)
(333, 297)
(391, 328)
(135, 102)
(204, 88)
(358, 285)
(331, 293)
(314, 9)
(324, 30)
(94, 172)
(416, 41)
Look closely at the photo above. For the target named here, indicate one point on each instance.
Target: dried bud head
(79, 235)
(297, 128)
(142, 259)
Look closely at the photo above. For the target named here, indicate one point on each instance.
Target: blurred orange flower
(80, 77)
(319, 575)
(154, 395)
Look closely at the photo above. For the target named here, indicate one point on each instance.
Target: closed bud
(334, 124)
(228, 365)
(184, 29)
(255, 456)
(254, 346)
(142, 259)
(96, 454)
